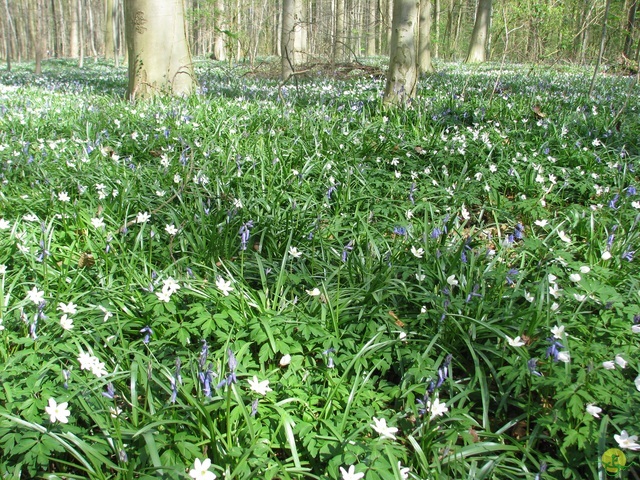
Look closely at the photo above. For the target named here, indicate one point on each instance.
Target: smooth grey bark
(402, 76)
(478, 44)
(109, 31)
(630, 25)
(74, 28)
(158, 51)
(288, 39)
(436, 46)
(219, 50)
(8, 25)
(424, 38)
(80, 14)
(300, 33)
(371, 28)
(337, 52)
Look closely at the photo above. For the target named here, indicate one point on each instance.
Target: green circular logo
(614, 460)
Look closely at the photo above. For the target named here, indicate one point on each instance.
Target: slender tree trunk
(424, 38)
(80, 33)
(337, 54)
(300, 33)
(402, 77)
(74, 28)
(436, 45)
(55, 28)
(631, 21)
(288, 39)
(456, 36)
(371, 28)
(40, 33)
(109, 37)
(477, 48)
(8, 25)
(603, 40)
(219, 50)
(158, 51)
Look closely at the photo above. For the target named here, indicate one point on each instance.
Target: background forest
(243, 30)
(266, 278)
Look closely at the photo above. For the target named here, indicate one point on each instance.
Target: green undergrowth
(260, 276)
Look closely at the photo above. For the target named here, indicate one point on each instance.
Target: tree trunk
(436, 21)
(402, 77)
(371, 28)
(288, 39)
(158, 51)
(109, 37)
(603, 40)
(478, 45)
(219, 50)
(631, 21)
(300, 33)
(8, 25)
(80, 33)
(74, 27)
(424, 38)
(337, 53)
(37, 17)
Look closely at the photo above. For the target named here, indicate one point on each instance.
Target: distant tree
(402, 77)
(424, 38)
(288, 39)
(630, 25)
(219, 49)
(7, 32)
(337, 48)
(478, 44)
(158, 51)
(109, 30)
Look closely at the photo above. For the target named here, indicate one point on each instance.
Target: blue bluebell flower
(510, 274)
(628, 255)
(347, 248)
(204, 352)
(147, 334)
(554, 348)
(111, 392)
(244, 234)
(613, 201)
(531, 365)
(474, 293)
(519, 231)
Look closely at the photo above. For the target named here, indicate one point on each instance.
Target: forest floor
(302, 283)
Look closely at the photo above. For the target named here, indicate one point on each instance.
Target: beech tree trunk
(337, 54)
(478, 46)
(288, 39)
(80, 13)
(300, 33)
(402, 77)
(630, 25)
(219, 50)
(371, 28)
(7, 31)
(109, 37)
(158, 51)
(424, 38)
(436, 46)
(74, 27)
